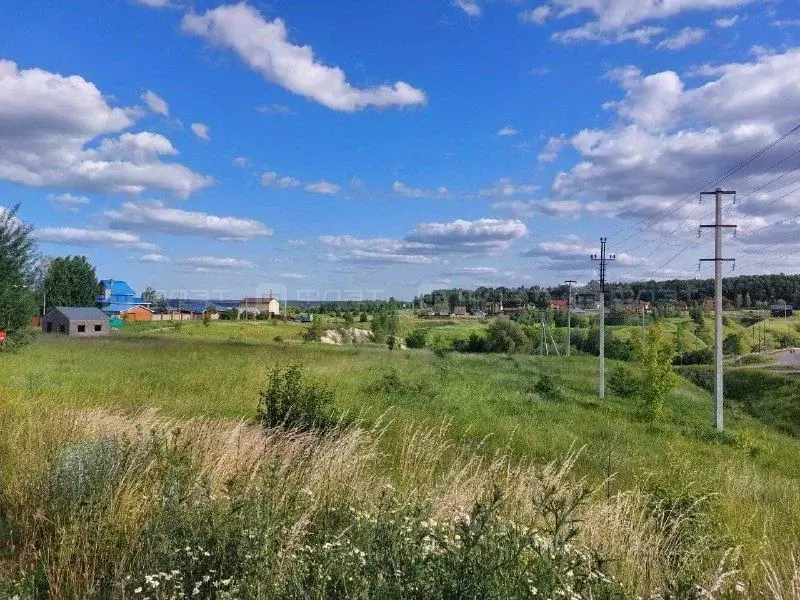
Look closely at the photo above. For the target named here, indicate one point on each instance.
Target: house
(76, 321)
(460, 311)
(479, 314)
(557, 304)
(305, 318)
(493, 308)
(116, 296)
(258, 306)
(137, 313)
(781, 310)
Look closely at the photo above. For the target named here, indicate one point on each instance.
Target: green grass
(219, 370)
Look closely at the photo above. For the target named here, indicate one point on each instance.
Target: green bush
(475, 343)
(292, 401)
(506, 336)
(417, 338)
(624, 382)
(703, 356)
(733, 344)
(547, 388)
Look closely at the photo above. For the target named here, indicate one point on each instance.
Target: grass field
(748, 478)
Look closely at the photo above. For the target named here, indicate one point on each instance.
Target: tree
(653, 350)
(150, 296)
(17, 263)
(506, 336)
(160, 305)
(71, 281)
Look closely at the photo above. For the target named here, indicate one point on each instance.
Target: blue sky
(359, 149)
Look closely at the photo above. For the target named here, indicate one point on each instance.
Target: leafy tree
(385, 324)
(747, 301)
(17, 260)
(363, 318)
(506, 336)
(290, 400)
(696, 313)
(653, 350)
(417, 338)
(71, 281)
(150, 296)
(734, 344)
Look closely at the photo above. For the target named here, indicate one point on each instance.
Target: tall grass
(97, 504)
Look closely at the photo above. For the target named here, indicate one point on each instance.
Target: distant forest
(744, 291)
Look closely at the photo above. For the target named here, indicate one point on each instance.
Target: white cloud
(74, 236)
(274, 109)
(241, 162)
(508, 130)
(48, 121)
(295, 276)
(669, 138)
(552, 149)
(286, 182)
(685, 37)
(470, 7)
(726, 22)
(506, 187)
(460, 236)
(68, 201)
(572, 255)
(538, 15)
(155, 103)
(265, 47)
(201, 131)
(323, 187)
(154, 3)
(297, 243)
(515, 208)
(152, 258)
(622, 20)
(401, 188)
(430, 240)
(156, 217)
(470, 271)
(213, 262)
(540, 70)
(786, 23)
(556, 209)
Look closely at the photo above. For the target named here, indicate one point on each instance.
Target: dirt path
(789, 358)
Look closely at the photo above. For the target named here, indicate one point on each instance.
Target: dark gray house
(77, 321)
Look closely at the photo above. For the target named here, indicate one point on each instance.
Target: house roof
(258, 300)
(81, 313)
(117, 287)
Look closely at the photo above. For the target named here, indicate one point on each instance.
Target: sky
(358, 150)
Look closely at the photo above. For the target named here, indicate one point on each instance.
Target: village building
(494, 308)
(137, 313)
(557, 304)
(460, 311)
(83, 321)
(781, 310)
(260, 306)
(117, 297)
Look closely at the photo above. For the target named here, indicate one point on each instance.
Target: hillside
(747, 478)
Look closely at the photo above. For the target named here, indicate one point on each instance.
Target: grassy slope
(219, 370)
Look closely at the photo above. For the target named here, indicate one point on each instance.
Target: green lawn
(219, 370)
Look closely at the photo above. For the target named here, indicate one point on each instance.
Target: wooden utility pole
(718, 260)
(569, 283)
(603, 260)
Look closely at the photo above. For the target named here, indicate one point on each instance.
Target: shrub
(624, 382)
(292, 401)
(278, 339)
(506, 336)
(417, 338)
(703, 356)
(547, 388)
(733, 344)
(653, 350)
(475, 343)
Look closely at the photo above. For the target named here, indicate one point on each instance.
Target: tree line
(742, 291)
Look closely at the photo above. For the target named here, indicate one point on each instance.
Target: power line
(713, 182)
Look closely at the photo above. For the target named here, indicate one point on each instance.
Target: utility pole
(569, 283)
(718, 260)
(602, 259)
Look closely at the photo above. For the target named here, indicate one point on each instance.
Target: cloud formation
(156, 103)
(265, 47)
(47, 123)
(201, 131)
(74, 236)
(153, 216)
(217, 263)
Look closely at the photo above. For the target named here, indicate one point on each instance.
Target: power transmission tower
(603, 260)
(718, 260)
(569, 283)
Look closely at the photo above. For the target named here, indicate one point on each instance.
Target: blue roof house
(117, 296)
